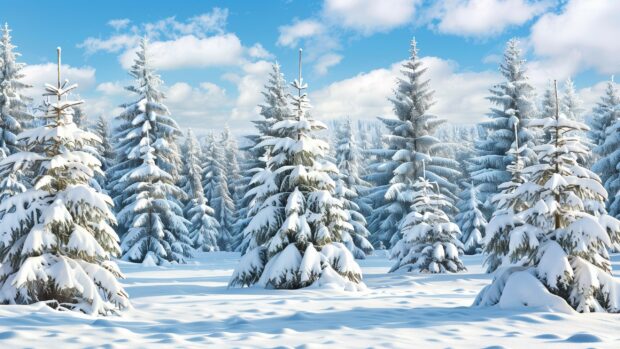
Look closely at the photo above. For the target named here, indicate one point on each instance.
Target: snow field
(190, 306)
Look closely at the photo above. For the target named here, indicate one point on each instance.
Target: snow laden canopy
(275, 108)
(429, 242)
(514, 105)
(13, 104)
(56, 238)
(144, 177)
(470, 220)
(203, 227)
(297, 229)
(349, 186)
(410, 141)
(565, 246)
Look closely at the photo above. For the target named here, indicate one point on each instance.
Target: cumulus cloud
(460, 95)
(369, 16)
(119, 24)
(582, 32)
(291, 34)
(325, 62)
(38, 75)
(190, 52)
(483, 18)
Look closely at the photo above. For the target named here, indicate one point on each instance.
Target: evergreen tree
(146, 113)
(57, 236)
(215, 183)
(297, 230)
(13, 104)
(105, 151)
(79, 117)
(565, 249)
(350, 188)
(156, 232)
(505, 221)
(203, 227)
(605, 113)
(513, 99)
(429, 241)
(410, 142)
(471, 220)
(571, 105)
(274, 109)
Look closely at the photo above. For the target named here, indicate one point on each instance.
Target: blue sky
(214, 55)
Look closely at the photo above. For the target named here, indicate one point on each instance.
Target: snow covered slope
(190, 306)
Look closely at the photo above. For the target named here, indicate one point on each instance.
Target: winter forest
(129, 230)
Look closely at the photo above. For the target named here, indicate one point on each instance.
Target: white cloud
(583, 32)
(111, 88)
(369, 16)
(291, 34)
(119, 24)
(460, 96)
(191, 52)
(249, 87)
(115, 43)
(325, 62)
(258, 51)
(482, 18)
(38, 75)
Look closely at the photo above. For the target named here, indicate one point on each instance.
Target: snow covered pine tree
(565, 250)
(304, 247)
(56, 237)
(411, 141)
(429, 242)
(514, 100)
(349, 186)
(471, 220)
(145, 174)
(203, 227)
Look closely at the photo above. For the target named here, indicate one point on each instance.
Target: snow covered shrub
(429, 241)
(297, 226)
(56, 237)
(565, 244)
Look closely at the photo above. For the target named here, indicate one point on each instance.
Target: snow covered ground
(190, 306)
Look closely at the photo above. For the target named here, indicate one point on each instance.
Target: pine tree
(203, 227)
(156, 232)
(514, 106)
(565, 247)
(13, 104)
(505, 220)
(410, 142)
(215, 183)
(105, 151)
(79, 117)
(604, 114)
(607, 165)
(57, 236)
(146, 113)
(471, 220)
(429, 241)
(571, 105)
(274, 109)
(297, 229)
(350, 188)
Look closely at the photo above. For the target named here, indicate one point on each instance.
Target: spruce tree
(13, 104)
(604, 114)
(513, 100)
(350, 189)
(471, 220)
(203, 227)
(297, 230)
(147, 113)
(105, 151)
(57, 236)
(571, 105)
(410, 141)
(274, 109)
(565, 249)
(156, 233)
(215, 183)
(429, 242)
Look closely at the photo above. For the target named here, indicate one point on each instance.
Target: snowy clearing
(186, 306)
